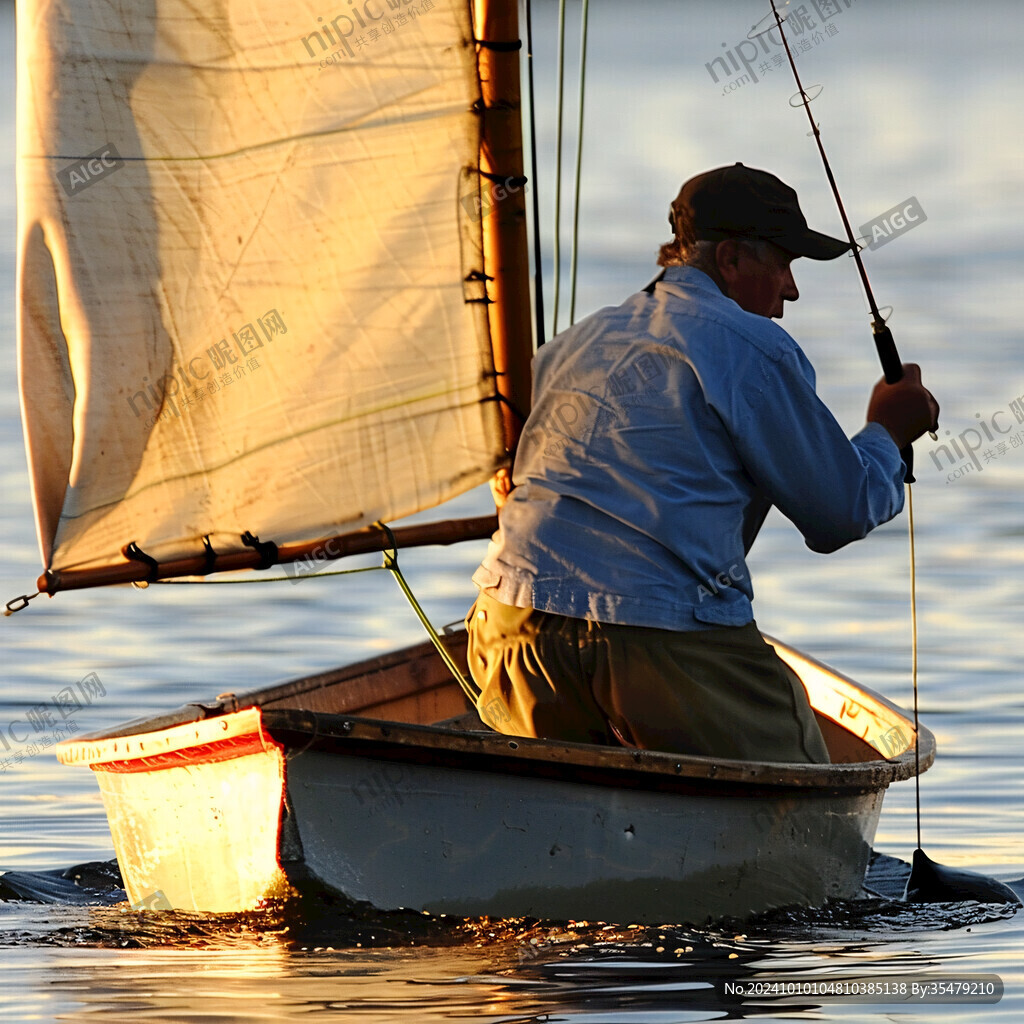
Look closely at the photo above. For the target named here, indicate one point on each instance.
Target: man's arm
(833, 488)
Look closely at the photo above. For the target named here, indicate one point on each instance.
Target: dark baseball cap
(738, 201)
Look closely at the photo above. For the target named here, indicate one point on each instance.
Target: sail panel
(250, 271)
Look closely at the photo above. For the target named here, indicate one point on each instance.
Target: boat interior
(413, 686)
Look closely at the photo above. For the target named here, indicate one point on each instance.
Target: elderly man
(615, 601)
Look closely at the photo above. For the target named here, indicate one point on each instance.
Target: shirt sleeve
(833, 488)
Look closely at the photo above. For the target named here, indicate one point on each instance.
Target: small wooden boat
(378, 783)
(274, 288)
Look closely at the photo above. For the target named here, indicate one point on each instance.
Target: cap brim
(814, 245)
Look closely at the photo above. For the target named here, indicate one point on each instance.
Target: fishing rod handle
(893, 370)
(892, 367)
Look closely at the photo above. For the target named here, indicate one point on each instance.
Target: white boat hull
(457, 842)
(253, 798)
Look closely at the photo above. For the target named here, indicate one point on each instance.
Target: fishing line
(891, 365)
(806, 103)
(913, 658)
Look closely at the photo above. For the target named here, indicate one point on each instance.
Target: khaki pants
(718, 693)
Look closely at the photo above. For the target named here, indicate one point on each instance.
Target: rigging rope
(538, 268)
(558, 165)
(574, 235)
(390, 556)
(249, 581)
(584, 19)
(468, 688)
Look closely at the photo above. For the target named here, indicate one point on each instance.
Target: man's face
(761, 285)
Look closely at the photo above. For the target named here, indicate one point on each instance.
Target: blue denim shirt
(662, 430)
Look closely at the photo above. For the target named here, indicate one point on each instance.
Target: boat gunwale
(355, 734)
(300, 730)
(490, 751)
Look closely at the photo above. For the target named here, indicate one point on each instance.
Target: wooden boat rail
(393, 707)
(608, 765)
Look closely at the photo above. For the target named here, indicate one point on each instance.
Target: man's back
(660, 430)
(615, 603)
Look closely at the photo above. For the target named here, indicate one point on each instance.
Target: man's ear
(727, 258)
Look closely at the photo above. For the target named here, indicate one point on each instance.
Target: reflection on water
(265, 967)
(313, 961)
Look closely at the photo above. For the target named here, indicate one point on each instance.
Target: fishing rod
(929, 882)
(892, 366)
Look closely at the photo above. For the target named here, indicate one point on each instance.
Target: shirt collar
(691, 276)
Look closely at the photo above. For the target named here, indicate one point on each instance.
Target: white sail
(249, 270)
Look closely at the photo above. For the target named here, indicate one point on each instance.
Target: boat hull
(219, 806)
(194, 814)
(454, 841)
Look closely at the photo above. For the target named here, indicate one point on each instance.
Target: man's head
(743, 227)
(755, 274)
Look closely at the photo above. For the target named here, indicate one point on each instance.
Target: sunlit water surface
(921, 99)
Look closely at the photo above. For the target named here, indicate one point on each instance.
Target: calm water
(921, 99)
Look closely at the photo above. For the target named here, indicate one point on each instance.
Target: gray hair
(701, 253)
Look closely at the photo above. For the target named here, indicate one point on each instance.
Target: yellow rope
(913, 656)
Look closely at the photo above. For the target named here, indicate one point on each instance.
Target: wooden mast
(506, 258)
